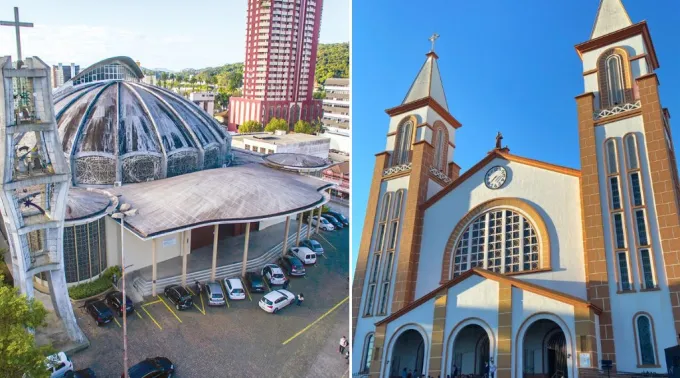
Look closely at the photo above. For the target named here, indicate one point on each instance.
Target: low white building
(297, 143)
(205, 100)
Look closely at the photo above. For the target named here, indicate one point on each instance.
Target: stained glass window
(644, 330)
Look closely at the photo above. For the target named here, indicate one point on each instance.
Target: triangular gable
(514, 282)
(501, 155)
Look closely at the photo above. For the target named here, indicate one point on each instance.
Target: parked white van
(306, 255)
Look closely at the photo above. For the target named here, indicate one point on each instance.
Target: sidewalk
(329, 362)
(229, 251)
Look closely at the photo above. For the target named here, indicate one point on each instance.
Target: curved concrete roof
(85, 204)
(295, 161)
(238, 194)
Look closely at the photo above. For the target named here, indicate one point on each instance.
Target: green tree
(19, 355)
(303, 127)
(276, 124)
(164, 78)
(332, 60)
(250, 127)
(320, 95)
(192, 81)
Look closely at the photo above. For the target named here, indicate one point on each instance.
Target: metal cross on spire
(432, 39)
(17, 25)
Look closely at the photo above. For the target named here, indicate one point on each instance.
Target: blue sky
(507, 66)
(170, 34)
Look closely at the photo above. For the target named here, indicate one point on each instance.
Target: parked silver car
(215, 294)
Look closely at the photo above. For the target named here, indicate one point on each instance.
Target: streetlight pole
(124, 211)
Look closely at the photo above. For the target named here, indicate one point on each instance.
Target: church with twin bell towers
(539, 269)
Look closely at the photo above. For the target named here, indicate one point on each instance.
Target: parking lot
(239, 339)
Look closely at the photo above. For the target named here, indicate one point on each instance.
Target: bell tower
(416, 164)
(629, 191)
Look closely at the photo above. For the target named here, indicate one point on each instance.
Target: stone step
(144, 287)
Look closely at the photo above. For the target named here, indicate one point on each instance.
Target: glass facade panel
(618, 231)
(631, 151)
(615, 193)
(641, 227)
(84, 251)
(647, 274)
(612, 166)
(636, 188)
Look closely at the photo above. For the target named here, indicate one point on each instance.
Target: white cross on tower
(17, 25)
(432, 39)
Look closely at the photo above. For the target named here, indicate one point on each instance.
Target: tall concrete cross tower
(34, 182)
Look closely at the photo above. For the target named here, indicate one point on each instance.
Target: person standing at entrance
(341, 349)
(486, 370)
(409, 375)
(404, 373)
(492, 369)
(455, 371)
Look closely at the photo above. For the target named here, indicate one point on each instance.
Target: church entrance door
(408, 353)
(545, 351)
(471, 349)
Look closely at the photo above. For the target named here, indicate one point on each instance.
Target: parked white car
(275, 300)
(273, 274)
(325, 225)
(58, 365)
(306, 255)
(234, 288)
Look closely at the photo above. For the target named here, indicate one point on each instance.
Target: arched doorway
(471, 349)
(408, 353)
(545, 351)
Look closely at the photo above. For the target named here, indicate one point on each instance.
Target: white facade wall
(625, 306)
(555, 196)
(528, 307)
(472, 301)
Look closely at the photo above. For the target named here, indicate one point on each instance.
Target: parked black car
(339, 217)
(157, 367)
(292, 264)
(83, 373)
(99, 311)
(255, 282)
(338, 225)
(179, 296)
(115, 300)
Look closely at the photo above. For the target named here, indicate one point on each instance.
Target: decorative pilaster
(504, 354)
(438, 326)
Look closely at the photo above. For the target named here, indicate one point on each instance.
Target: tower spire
(611, 16)
(428, 82)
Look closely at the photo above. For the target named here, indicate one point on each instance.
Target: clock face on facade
(495, 177)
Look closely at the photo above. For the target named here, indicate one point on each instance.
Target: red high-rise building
(278, 81)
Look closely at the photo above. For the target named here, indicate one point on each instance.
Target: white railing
(397, 169)
(440, 175)
(230, 270)
(618, 109)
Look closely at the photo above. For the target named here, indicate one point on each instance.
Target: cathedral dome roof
(114, 128)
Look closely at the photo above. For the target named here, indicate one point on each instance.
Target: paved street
(241, 339)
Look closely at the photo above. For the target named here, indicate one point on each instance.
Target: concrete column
(319, 223)
(309, 223)
(214, 260)
(285, 236)
(184, 258)
(153, 267)
(245, 250)
(62, 304)
(297, 236)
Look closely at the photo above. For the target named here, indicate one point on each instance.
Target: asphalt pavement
(238, 340)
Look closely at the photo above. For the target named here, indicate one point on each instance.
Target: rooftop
(248, 191)
(281, 140)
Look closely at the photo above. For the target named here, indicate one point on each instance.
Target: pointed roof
(489, 275)
(428, 83)
(500, 154)
(611, 16)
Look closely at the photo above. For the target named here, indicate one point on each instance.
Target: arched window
(440, 150)
(402, 147)
(379, 243)
(500, 240)
(644, 329)
(615, 85)
(391, 245)
(367, 354)
(631, 151)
